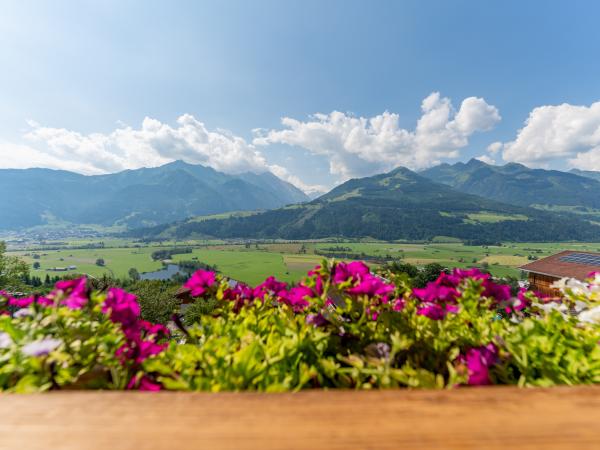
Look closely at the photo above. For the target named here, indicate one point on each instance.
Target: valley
(253, 261)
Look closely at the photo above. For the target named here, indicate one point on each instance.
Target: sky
(316, 92)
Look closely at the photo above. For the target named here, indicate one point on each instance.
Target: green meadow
(253, 262)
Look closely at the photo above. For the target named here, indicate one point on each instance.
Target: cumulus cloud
(153, 144)
(486, 159)
(494, 147)
(558, 133)
(359, 146)
(284, 174)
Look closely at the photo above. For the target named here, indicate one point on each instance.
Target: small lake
(163, 274)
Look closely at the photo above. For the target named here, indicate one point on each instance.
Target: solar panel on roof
(582, 258)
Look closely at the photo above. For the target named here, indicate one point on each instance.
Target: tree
(36, 265)
(100, 262)
(156, 299)
(134, 274)
(12, 270)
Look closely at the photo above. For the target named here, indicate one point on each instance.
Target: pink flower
(296, 297)
(73, 293)
(436, 293)
(153, 329)
(342, 272)
(315, 271)
(478, 361)
(122, 307)
(145, 384)
(372, 286)
(44, 301)
(499, 292)
(147, 348)
(199, 282)
(398, 304)
(318, 320)
(270, 286)
(240, 294)
(436, 311)
(20, 302)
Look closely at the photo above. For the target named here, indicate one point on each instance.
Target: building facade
(543, 273)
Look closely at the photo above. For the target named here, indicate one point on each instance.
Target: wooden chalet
(568, 264)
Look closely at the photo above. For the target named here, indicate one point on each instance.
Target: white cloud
(153, 144)
(486, 159)
(559, 133)
(494, 147)
(358, 146)
(284, 174)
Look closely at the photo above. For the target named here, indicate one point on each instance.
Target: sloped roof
(572, 264)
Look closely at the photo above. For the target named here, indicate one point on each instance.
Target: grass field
(252, 262)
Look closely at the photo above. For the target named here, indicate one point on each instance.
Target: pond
(163, 274)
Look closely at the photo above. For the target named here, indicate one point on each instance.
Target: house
(568, 264)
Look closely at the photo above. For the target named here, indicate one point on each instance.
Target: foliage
(12, 270)
(75, 338)
(340, 327)
(518, 184)
(139, 198)
(397, 205)
(157, 300)
(169, 253)
(418, 277)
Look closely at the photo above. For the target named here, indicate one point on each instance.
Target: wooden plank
(479, 418)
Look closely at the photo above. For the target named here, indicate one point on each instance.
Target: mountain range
(135, 198)
(575, 191)
(400, 204)
(586, 173)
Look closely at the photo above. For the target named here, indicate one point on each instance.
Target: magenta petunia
(71, 293)
(398, 304)
(436, 293)
(296, 297)
(499, 292)
(20, 302)
(153, 328)
(436, 311)
(343, 272)
(371, 285)
(145, 384)
(478, 361)
(199, 282)
(122, 306)
(270, 286)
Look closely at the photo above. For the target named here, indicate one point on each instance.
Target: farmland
(252, 262)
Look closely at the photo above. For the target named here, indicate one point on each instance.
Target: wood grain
(480, 418)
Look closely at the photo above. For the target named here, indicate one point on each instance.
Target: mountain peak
(517, 184)
(474, 162)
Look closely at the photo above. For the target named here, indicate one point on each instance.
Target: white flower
(41, 347)
(552, 306)
(576, 286)
(5, 340)
(23, 312)
(591, 315)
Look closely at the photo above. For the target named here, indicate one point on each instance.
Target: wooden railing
(474, 418)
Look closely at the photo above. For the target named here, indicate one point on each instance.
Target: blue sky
(80, 78)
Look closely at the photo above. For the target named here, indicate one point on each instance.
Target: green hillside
(520, 185)
(134, 198)
(393, 206)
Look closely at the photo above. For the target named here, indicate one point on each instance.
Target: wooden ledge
(476, 418)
